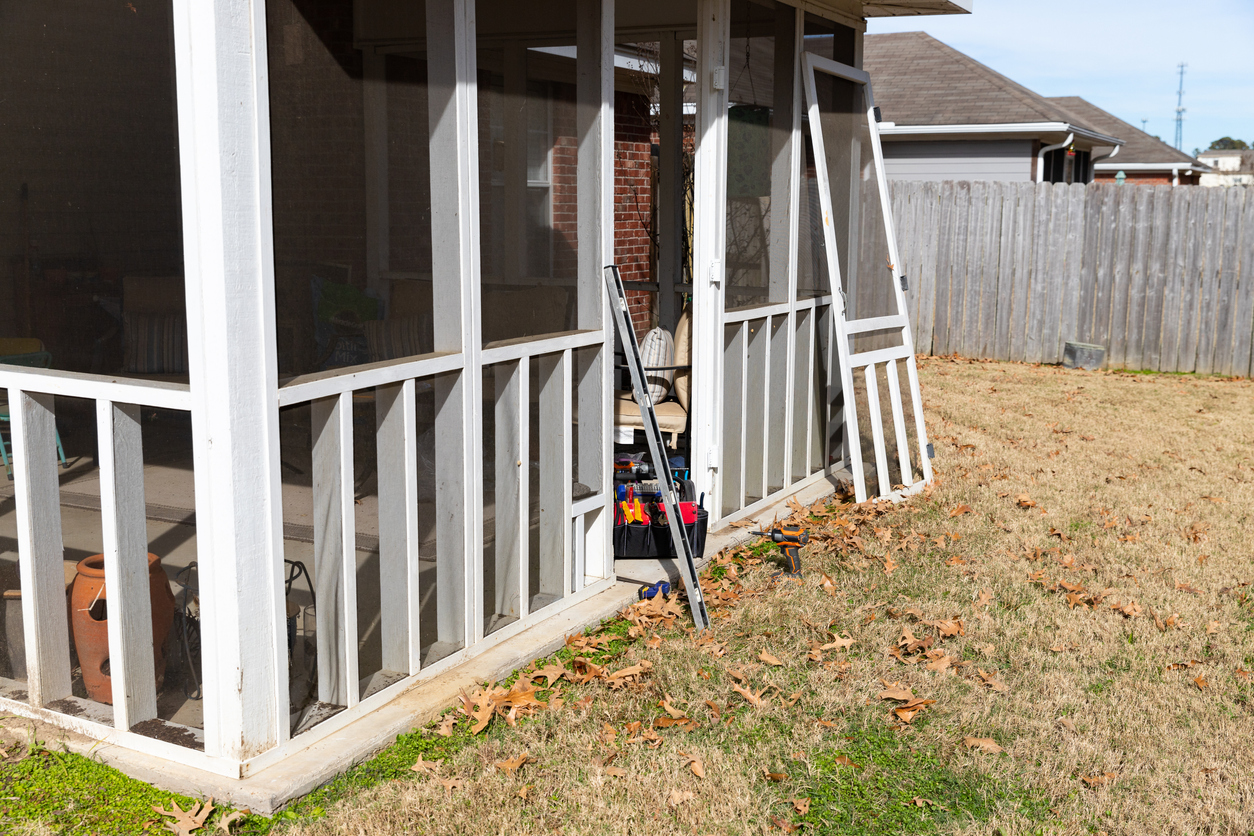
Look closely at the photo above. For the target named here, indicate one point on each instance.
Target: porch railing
(37, 502)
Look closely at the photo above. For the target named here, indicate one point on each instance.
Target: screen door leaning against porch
(882, 408)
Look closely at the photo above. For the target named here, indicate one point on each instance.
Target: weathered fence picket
(1162, 277)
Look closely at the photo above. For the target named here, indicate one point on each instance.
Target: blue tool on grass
(647, 591)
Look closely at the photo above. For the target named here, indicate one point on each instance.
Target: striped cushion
(658, 349)
(155, 343)
(392, 339)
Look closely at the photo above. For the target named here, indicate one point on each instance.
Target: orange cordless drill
(790, 542)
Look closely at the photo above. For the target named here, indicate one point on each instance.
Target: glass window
(528, 189)
(351, 175)
(90, 197)
(857, 210)
(760, 116)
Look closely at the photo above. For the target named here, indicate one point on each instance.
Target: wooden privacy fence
(1162, 277)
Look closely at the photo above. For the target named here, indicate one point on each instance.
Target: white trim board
(892, 129)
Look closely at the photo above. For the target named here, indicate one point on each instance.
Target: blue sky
(1119, 54)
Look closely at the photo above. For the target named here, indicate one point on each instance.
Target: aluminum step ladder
(661, 466)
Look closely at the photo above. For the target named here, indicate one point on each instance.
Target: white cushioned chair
(672, 413)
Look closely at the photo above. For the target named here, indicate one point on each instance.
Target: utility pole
(1180, 108)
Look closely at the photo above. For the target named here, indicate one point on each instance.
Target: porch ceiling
(892, 8)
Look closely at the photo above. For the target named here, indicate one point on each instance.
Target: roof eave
(1200, 169)
(896, 8)
(1034, 129)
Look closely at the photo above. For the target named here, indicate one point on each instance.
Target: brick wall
(1146, 178)
(633, 202)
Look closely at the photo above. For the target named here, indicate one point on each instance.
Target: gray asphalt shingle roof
(1140, 147)
(920, 81)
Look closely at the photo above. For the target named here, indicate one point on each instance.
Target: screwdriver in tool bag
(790, 541)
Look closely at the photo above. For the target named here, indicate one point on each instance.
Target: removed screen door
(871, 329)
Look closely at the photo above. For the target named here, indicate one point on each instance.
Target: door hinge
(904, 284)
(711, 458)
(719, 80)
(716, 272)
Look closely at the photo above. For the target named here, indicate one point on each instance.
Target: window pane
(528, 159)
(857, 212)
(759, 130)
(90, 198)
(352, 197)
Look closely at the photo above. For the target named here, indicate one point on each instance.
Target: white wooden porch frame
(234, 397)
(709, 243)
(844, 329)
(777, 369)
(222, 84)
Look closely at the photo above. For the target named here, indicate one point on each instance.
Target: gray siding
(958, 159)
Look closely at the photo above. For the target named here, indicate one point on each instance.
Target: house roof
(1139, 148)
(919, 81)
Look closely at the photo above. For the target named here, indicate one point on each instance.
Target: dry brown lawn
(1074, 588)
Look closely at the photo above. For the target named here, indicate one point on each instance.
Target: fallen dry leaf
(429, 767)
(224, 823)
(769, 659)
(753, 699)
(452, 784)
(984, 744)
(695, 764)
(991, 680)
(960, 510)
(787, 827)
(513, 764)
(774, 777)
(1212, 628)
(1098, 779)
(894, 692)
(677, 797)
(907, 711)
(1066, 724)
(445, 728)
(845, 761)
(1200, 683)
(828, 585)
(800, 806)
(185, 821)
(615, 772)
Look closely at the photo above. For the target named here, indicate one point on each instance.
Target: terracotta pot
(90, 623)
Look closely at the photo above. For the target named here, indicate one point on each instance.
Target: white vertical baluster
(397, 468)
(37, 498)
(124, 524)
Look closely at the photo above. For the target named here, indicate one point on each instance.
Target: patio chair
(672, 411)
(29, 352)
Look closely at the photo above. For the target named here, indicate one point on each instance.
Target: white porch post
(224, 146)
(454, 129)
(709, 244)
(595, 185)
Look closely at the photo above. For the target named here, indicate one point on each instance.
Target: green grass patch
(879, 795)
(74, 795)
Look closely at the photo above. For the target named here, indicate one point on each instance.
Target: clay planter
(90, 623)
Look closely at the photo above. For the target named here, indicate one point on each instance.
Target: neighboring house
(1228, 168)
(1144, 159)
(949, 117)
(311, 294)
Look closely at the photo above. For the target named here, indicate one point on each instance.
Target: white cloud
(1119, 54)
